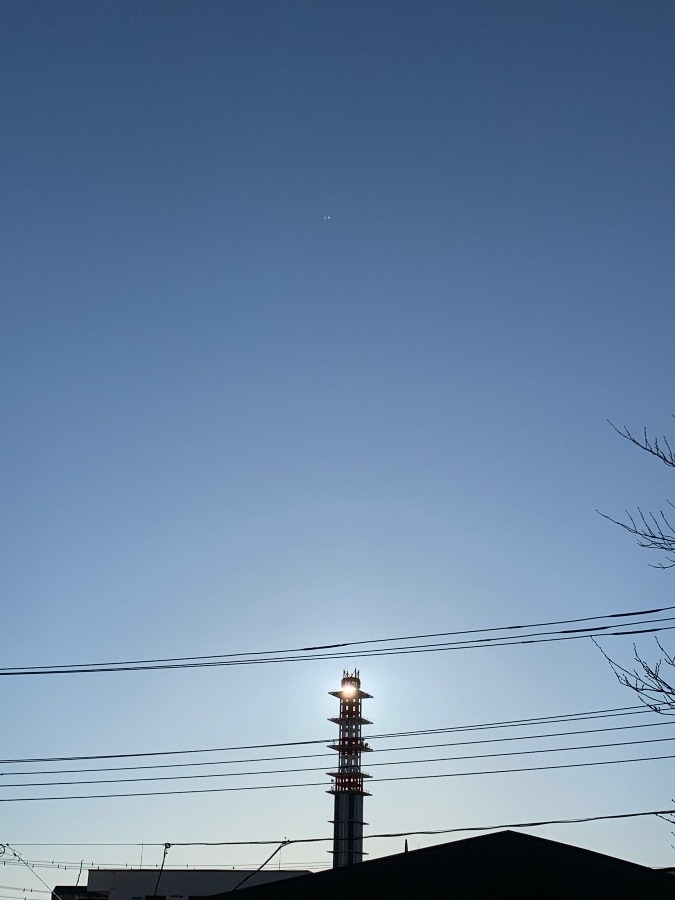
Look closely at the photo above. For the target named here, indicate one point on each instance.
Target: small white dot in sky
(325, 218)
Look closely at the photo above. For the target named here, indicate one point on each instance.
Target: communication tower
(348, 778)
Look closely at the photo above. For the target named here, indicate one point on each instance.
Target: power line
(10, 897)
(386, 835)
(264, 787)
(405, 650)
(228, 762)
(535, 823)
(338, 651)
(437, 831)
(15, 855)
(129, 662)
(505, 723)
(401, 762)
(10, 887)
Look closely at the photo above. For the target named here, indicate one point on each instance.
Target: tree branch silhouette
(654, 531)
(647, 680)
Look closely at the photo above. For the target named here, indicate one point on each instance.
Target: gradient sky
(313, 314)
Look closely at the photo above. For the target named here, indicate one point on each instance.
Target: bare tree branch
(654, 689)
(651, 445)
(653, 683)
(654, 531)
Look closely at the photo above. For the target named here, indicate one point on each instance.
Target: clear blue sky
(313, 314)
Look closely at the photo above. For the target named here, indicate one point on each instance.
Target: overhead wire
(15, 855)
(10, 887)
(404, 650)
(609, 712)
(631, 613)
(369, 648)
(497, 826)
(403, 762)
(10, 897)
(316, 840)
(226, 762)
(261, 787)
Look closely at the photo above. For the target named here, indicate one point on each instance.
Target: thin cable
(229, 762)
(283, 844)
(409, 637)
(9, 887)
(419, 833)
(535, 823)
(74, 866)
(401, 762)
(17, 856)
(19, 890)
(266, 787)
(391, 834)
(299, 654)
(533, 720)
(601, 714)
(396, 651)
(167, 847)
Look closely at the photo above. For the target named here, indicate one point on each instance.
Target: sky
(313, 317)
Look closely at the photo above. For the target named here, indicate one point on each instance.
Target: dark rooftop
(504, 864)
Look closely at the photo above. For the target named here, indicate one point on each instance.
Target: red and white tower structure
(348, 778)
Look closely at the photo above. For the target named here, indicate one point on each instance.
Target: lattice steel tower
(348, 779)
